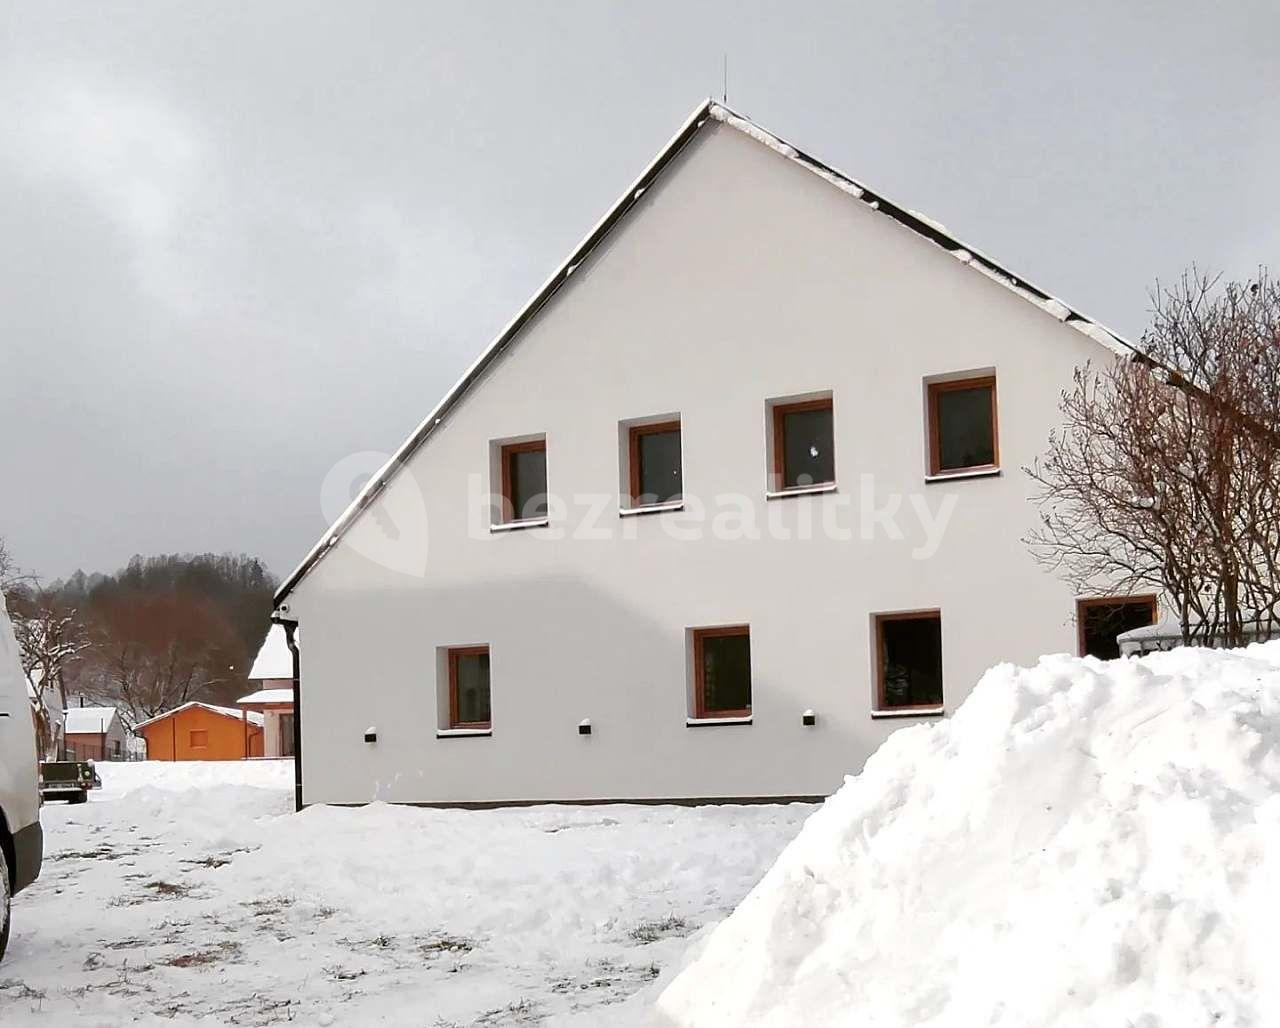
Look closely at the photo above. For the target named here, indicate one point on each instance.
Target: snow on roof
(274, 659)
(89, 720)
(267, 696)
(231, 712)
(707, 112)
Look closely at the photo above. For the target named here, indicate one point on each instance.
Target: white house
(272, 673)
(737, 494)
(96, 733)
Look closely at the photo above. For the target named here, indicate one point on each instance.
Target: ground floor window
(909, 660)
(722, 672)
(469, 687)
(1100, 620)
(199, 739)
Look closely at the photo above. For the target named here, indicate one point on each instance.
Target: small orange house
(201, 731)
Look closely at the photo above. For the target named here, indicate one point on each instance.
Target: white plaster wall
(741, 277)
(271, 734)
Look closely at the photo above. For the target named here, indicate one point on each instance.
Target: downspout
(290, 627)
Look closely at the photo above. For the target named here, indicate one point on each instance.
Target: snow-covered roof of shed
(707, 112)
(89, 720)
(231, 712)
(267, 696)
(274, 659)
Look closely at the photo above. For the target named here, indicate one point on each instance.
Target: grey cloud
(244, 241)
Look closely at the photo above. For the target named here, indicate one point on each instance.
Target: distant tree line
(162, 631)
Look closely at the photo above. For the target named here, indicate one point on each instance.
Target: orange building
(201, 731)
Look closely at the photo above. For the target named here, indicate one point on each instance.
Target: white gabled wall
(738, 278)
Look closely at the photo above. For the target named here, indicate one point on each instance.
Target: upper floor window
(803, 444)
(962, 426)
(469, 688)
(722, 672)
(908, 661)
(655, 475)
(523, 468)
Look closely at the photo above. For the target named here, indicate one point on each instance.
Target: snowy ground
(191, 891)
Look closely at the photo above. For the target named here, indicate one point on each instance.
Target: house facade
(272, 674)
(737, 495)
(95, 733)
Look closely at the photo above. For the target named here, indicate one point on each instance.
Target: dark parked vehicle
(68, 780)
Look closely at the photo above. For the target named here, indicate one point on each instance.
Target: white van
(21, 838)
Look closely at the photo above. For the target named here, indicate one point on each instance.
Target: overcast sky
(239, 242)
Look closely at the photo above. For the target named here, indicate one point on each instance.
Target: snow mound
(1083, 843)
(120, 779)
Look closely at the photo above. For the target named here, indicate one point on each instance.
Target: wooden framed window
(908, 660)
(198, 739)
(963, 434)
(469, 687)
(1100, 619)
(524, 480)
(722, 672)
(803, 444)
(653, 455)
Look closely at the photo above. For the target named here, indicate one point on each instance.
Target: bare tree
(50, 640)
(1166, 472)
(11, 575)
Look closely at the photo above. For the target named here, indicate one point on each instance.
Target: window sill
(650, 508)
(462, 733)
(947, 476)
(800, 490)
(708, 722)
(512, 526)
(910, 712)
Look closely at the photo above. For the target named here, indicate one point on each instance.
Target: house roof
(231, 712)
(267, 696)
(705, 113)
(89, 720)
(274, 659)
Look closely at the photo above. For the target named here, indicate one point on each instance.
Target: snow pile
(121, 778)
(1084, 843)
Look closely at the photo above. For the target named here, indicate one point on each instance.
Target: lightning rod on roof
(724, 91)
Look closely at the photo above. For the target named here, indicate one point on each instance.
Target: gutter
(290, 628)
